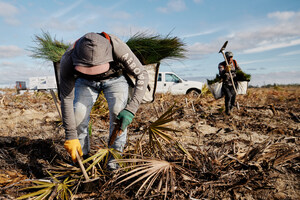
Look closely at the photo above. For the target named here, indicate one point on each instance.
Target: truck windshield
(172, 78)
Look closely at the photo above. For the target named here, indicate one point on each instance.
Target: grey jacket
(122, 54)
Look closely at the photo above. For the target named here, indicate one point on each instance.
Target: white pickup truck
(42, 83)
(169, 82)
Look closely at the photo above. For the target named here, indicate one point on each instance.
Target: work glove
(72, 146)
(228, 68)
(125, 117)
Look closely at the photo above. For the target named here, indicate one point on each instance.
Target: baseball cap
(92, 53)
(229, 54)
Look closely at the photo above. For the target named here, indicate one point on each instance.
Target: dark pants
(230, 95)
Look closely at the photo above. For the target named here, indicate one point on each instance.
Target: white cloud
(67, 9)
(173, 6)
(78, 15)
(282, 15)
(283, 77)
(277, 34)
(200, 48)
(9, 12)
(70, 24)
(273, 46)
(60, 21)
(10, 51)
(12, 71)
(200, 33)
(255, 61)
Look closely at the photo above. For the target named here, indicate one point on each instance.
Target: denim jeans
(86, 93)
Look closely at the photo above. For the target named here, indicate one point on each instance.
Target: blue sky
(264, 35)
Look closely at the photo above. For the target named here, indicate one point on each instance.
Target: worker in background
(227, 87)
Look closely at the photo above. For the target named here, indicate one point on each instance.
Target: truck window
(159, 77)
(172, 78)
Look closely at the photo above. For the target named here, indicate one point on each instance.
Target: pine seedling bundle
(149, 49)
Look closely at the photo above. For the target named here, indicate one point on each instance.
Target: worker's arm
(67, 88)
(133, 66)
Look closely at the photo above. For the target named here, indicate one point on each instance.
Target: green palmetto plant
(158, 135)
(49, 190)
(205, 90)
(62, 189)
(102, 156)
(151, 172)
(97, 161)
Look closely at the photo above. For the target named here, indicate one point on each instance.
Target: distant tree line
(275, 85)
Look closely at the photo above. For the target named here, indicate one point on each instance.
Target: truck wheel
(193, 92)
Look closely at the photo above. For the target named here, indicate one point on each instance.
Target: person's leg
(116, 93)
(85, 97)
(233, 96)
(227, 94)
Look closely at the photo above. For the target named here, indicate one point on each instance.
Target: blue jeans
(86, 93)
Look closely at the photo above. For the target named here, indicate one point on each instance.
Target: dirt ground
(32, 136)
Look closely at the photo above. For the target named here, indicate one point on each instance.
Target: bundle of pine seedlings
(48, 48)
(240, 76)
(148, 48)
(151, 49)
(212, 81)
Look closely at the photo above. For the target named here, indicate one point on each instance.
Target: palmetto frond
(158, 132)
(102, 156)
(48, 189)
(148, 172)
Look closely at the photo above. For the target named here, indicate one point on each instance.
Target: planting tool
(117, 131)
(222, 51)
(87, 179)
(56, 103)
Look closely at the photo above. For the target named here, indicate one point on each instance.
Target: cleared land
(253, 154)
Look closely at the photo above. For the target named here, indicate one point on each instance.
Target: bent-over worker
(96, 63)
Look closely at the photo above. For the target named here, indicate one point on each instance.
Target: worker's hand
(72, 146)
(125, 118)
(228, 68)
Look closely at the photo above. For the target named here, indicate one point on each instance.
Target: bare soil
(32, 137)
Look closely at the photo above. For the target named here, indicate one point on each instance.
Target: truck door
(159, 85)
(163, 86)
(172, 84)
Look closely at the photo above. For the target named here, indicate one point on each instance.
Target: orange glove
(72, 146)
(228, 68)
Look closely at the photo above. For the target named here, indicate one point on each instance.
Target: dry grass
(253, 154)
